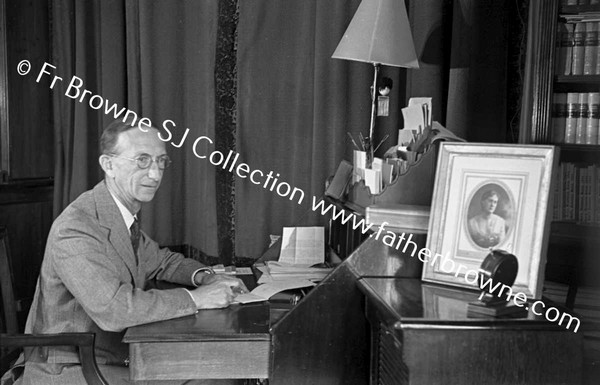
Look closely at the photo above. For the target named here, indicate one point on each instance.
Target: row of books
(575, 118)
(577, 194)
(579, 2)
(577, 43)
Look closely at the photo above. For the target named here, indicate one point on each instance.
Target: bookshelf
(552, 82)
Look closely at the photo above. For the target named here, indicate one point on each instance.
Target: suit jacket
(90, 280)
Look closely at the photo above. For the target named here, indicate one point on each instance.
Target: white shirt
(128, 217)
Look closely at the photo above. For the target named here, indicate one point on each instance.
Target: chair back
(12, 341)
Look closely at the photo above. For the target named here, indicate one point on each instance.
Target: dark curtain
(88, 42)
(171, 51)
(292, 104)
(295, 106)
(467, 60)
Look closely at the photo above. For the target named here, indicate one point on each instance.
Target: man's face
(489, 204)
(133, 184)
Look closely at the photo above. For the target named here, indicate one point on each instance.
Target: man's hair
(110, 135)
(489, 194)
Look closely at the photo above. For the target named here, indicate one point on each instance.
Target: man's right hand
(215, 295)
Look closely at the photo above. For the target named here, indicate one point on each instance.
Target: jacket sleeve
(165, 265)
(101, 283)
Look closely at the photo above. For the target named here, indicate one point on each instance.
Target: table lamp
(379, 33)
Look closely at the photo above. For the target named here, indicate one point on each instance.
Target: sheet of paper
(267, 290)
(405, 137)
(413, 118)
(303, 246)
(377, 163)
(422, 101)
(360, 163)
(373, 180)
(243, 271)
(265, 276)
(387, 173)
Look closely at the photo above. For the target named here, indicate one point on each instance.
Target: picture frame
(490, 196)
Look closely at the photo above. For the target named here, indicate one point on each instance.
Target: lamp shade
(379, 33)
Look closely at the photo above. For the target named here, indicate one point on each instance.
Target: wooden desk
(321, 340)
(421, 335)
(224, 343)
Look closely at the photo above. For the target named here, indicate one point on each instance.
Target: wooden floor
(587, 308)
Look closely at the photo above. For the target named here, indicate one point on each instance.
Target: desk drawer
(199, 360)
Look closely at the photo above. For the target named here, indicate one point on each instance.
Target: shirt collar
(128, 217)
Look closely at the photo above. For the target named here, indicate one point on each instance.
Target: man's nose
(154, 172)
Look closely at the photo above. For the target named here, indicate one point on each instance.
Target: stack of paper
(282, 271)
(302, 246)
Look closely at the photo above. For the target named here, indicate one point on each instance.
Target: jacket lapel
(110, 217)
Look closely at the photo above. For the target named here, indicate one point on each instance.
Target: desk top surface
(249, 322)
(412, 302)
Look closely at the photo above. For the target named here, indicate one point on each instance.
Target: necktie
(135, 235)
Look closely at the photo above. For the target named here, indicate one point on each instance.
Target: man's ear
(107, 165)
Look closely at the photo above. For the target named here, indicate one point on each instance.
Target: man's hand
(217, 291)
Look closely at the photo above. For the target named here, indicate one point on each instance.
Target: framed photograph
(490, 196)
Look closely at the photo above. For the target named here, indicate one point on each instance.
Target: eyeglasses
(144, 161)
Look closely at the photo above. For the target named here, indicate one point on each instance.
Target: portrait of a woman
(487, 229)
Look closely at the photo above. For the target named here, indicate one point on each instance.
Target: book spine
(561, 197)
(572, 192)
(579, 197)
(582, 115)
(578, 49)
(572, 115)
(556, 198)
(592, 131)
(590, 197)
(566, 43)
(597, 194)
(562, 44)
(597, 72)
(590, 48)
(559, 117)
(567, 188)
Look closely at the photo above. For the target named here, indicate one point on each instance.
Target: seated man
(97, 263)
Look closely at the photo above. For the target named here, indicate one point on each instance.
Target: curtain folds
(172, 78)
(295, 106)
(464, 52)
(292, 110)
(87, 42)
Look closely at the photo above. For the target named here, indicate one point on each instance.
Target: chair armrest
(83, 341)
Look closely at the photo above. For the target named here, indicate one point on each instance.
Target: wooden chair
(10, 339)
